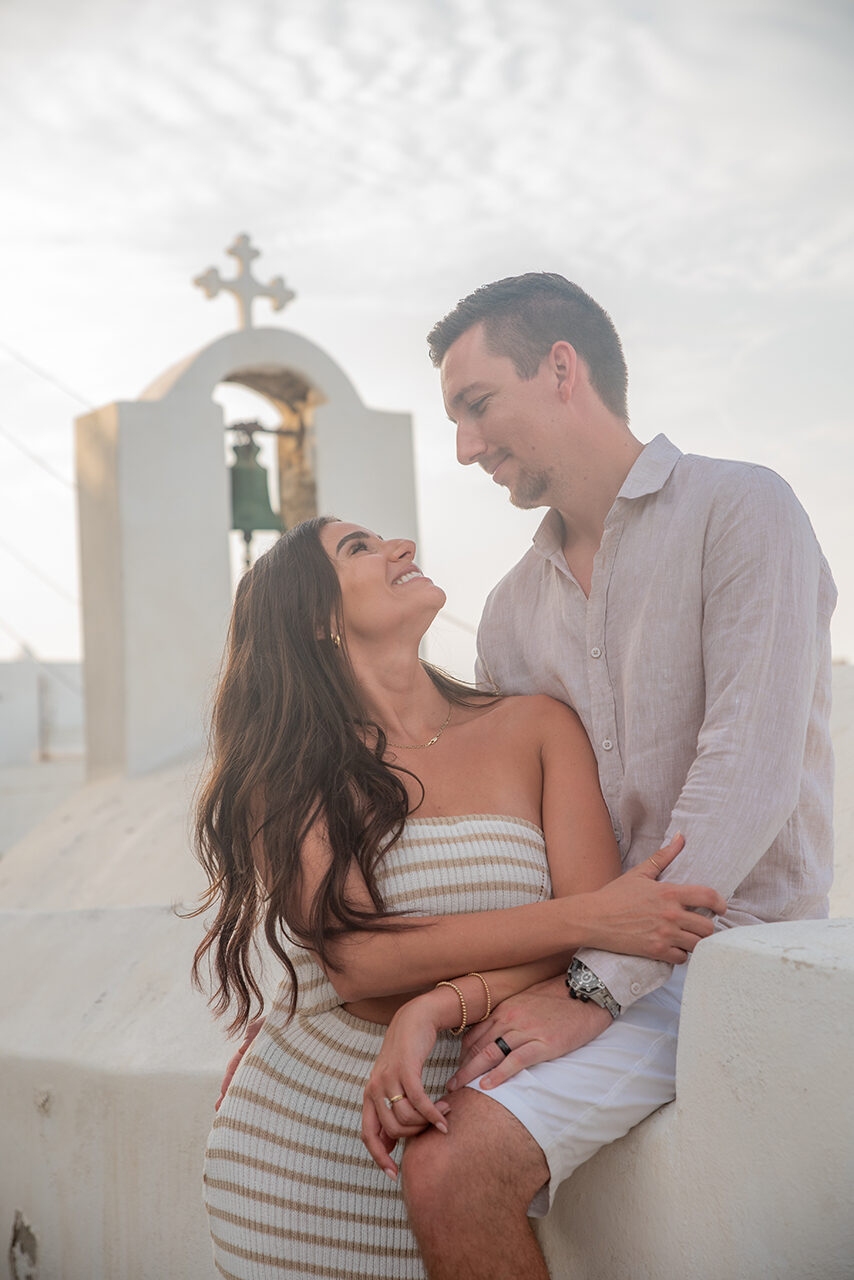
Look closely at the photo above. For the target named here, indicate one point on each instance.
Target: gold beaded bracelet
(488, 994)
(461, 1028)
(458, 1031)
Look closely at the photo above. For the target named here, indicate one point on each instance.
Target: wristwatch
(584, 985)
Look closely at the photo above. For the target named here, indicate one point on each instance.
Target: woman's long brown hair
(287, 751)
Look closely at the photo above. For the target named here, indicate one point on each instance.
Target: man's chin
(528, 496)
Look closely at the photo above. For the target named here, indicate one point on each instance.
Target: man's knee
(487, 1153)
(427, 1171)
(437, 1166)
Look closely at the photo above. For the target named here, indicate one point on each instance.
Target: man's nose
(470, 444)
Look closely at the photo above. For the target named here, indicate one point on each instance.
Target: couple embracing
(483, 900)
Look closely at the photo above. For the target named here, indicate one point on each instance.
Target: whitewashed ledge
(109, 1069)
(749, 1175)
(110, 1066)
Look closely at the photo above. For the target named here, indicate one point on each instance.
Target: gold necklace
(421, 746)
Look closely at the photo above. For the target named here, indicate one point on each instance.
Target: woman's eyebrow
(348, 537)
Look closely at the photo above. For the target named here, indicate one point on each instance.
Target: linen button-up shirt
(700, 669)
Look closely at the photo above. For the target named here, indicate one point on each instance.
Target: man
(681, 606)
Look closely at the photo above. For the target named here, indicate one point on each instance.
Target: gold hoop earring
(336, 640)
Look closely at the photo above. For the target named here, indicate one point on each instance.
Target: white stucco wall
(110, 1069)
(19, 713)
(41, 710)
(750, 1173)
(109, 1066)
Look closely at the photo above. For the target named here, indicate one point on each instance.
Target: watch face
(585, 980)
(586, 986)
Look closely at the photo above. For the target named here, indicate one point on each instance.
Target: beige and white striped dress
(290, 1189)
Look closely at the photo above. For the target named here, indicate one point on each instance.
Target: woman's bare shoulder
(533, 706)
(538, 714)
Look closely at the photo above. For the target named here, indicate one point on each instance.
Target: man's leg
(468, 1191)
(575, 1104)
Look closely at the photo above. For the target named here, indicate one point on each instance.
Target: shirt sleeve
(767, 600)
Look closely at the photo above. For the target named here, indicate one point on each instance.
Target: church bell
(251, 511)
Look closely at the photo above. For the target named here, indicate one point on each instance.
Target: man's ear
(564, 363)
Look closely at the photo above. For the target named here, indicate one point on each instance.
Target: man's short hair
(524, 316)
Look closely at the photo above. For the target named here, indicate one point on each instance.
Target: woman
(351, 806)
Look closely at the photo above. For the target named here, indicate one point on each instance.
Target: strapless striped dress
(290, 1189)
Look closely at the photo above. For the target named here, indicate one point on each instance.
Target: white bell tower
(154, 516)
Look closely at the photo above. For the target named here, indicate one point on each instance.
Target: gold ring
(655, 864)
(398, 1097)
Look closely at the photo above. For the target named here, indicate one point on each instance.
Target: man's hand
(636, 915)
(538, 1024)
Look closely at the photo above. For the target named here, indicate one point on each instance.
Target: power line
(31, 657)
(19, 639)
(39, 461)
(47, 377)
(37, 572)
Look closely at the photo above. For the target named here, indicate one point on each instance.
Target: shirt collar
(652, 469)
(649, 474)
(548, 538)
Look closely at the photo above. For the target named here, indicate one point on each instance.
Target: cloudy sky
(690, 164)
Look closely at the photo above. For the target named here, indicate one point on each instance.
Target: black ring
(503, 1046)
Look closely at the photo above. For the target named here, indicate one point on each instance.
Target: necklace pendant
(422, 746)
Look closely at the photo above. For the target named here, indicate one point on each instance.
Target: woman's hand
(408, 1042)
(251, 1032)
(636, 916)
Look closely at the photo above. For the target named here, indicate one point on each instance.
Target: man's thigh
(576, 1104)
(487, 1153)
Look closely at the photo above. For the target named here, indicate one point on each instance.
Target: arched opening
(283, 405)
(154, 556)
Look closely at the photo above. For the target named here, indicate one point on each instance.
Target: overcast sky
(690, 164)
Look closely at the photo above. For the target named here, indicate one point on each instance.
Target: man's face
(504, 423)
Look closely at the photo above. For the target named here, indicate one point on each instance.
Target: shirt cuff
(628, 978)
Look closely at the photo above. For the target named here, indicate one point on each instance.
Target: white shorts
(576, 1104)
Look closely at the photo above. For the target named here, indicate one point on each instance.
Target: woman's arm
(412, 1034)
(631, 914)
(580, 846)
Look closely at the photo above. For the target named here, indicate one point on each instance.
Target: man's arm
(768, 598)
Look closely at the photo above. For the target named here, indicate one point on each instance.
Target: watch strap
(584, 985)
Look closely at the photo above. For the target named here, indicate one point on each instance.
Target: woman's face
(382, 587)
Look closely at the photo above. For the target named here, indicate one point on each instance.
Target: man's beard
(529, 489)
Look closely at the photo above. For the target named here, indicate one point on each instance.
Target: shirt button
(607, 745)
(596, 652)
(635, 988)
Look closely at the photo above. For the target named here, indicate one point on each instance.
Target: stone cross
(244, 286)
